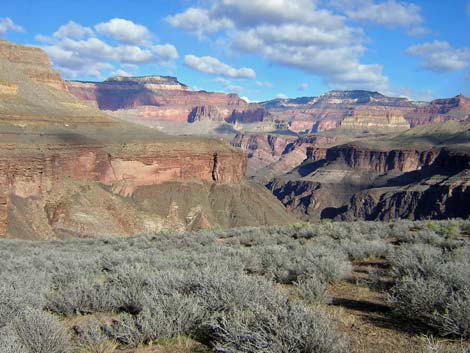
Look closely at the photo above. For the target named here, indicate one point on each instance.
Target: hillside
(68, 169)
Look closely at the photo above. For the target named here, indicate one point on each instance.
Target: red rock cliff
(160, 98)
(54, 148)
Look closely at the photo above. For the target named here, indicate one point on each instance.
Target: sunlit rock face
(151, 99)
(69, 170)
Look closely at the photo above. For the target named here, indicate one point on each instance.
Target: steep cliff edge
(373, 181)
(156, 100)
(67, 169)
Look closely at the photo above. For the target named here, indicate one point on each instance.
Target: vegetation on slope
(241, 290)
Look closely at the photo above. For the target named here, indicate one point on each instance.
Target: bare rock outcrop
(351, 182)
(152, 99)
(69, 170)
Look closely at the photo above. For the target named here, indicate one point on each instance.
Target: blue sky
(260, 49)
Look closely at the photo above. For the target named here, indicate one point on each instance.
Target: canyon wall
(364, 110)
(152, 99)
(69, 170)
(351, 182)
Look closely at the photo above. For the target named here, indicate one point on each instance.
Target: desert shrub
(290, 328)
(286, 265)
(311, 289)
(170, 316)
(223, 290)
(125, 331)
(19, 292)
(326, 263)
(82, 297)
(9, 342)
(40, 332)
(165, 317)
(433, 285)
(90, 338)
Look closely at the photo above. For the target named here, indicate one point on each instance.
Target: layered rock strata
(68, 170)
(353, 182)
(153, 99)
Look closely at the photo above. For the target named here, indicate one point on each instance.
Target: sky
(259, 49)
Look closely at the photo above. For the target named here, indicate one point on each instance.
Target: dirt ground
(360, 308)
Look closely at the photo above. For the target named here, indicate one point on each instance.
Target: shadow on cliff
(307, 168)
(445, 165)
(130, 95)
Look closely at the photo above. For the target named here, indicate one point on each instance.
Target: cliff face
(379, 161)
(67, 169)
(33, 62)
(363, 110)
(271, 155)
(261, 149)
(353, 182)
(385, 121)
(440, 190)
(440, 110)
(153, 99)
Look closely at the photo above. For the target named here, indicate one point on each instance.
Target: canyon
(385, 179)
(343, 155)
(90, 159)
(69, 170)
(272, 134)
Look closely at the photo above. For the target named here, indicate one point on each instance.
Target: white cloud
(124, 31)
(440, 56)
(6, 24)
(120, 72)
(198, 21)
(297, 34)
(228, 86)
(73, 30)
(281, 96)
(213, 66)
(425, 96)
(302, 87)
(165, 52)
(76, 51)
(248, 100)
(254, 12)
(390, 13)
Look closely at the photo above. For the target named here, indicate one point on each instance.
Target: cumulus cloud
(73, 30)
(198, 21)
(165, 52)
(281, 96)
(297, 34)
(390, 13)
(253, 12)
(77, 51)
(124, 31)
(213, 66)
(440, 56)
(6, 24)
